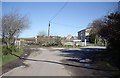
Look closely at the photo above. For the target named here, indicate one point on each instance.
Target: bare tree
(12, 25)
(111, 30)
(42, 33)
(96, 26)
(0, 26)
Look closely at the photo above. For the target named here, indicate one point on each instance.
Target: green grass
(0, 60)
(8, 58)
(0, 56)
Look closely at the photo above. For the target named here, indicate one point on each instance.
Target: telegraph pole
(49, 29)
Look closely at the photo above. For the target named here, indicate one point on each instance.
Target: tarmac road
(51, 62)
(38, 68)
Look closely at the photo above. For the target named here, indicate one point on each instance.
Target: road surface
(48, 62)
(38, 68)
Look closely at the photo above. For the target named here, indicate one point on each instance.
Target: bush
(58, 41)
(92, 38)
(68, 46)
(111, 33)
(108, 29)
(6, 50)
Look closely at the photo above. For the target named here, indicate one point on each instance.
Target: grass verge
(0, 56)
(4, 59)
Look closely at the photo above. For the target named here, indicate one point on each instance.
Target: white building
(84, 34)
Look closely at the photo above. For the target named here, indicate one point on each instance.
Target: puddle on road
(86, 63)
(88, 66)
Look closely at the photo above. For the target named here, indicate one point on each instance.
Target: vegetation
(8, 58)
(95, 37)
(12, 25)
(0, 55)
(49, 41)
(42, 33)
(108, 29)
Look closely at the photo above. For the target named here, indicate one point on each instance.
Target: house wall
(81, 35)
(84, 34)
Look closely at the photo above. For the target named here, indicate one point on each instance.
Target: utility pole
(35, 39)
(49, 29)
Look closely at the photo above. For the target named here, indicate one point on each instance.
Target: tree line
(108, 29)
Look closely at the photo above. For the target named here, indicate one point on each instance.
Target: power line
(65, 25)
(59, 11)
(56, 16)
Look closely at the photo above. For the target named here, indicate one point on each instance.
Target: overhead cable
(59, 11)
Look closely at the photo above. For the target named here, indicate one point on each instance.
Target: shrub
(6, 50)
